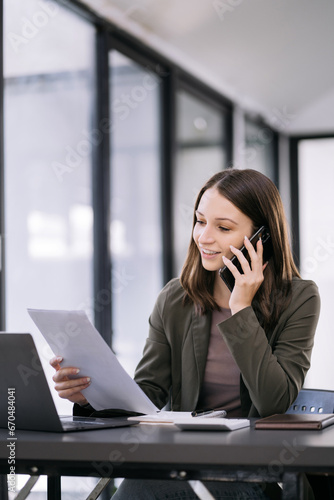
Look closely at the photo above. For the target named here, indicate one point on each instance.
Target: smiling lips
(208, 253)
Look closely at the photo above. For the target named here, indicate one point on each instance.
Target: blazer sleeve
(153, 373)
(274, 371)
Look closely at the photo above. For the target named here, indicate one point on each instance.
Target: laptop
(23, 383)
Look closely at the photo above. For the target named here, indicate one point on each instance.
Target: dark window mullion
(227, 137)
(101, 194)
(168, 148)
(293, 144)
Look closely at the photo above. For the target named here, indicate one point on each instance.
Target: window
(260, 149)
(201, 152)
(48, 207)
(48, 92)
(316, 223)
(136, 232)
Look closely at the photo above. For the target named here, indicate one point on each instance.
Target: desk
(165, 452)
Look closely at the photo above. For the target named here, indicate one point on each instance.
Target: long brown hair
(256, 196)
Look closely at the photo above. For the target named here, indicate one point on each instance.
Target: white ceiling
(273, 57)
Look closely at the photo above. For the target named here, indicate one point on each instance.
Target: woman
(246, 351)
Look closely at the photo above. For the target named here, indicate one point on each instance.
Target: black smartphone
(262, 233)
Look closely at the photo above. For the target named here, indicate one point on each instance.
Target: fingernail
(87, 379)
(59, 359)
(76, 371)
(246, 238)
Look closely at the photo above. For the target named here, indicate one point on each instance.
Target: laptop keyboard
(79, 422)
(79, 425)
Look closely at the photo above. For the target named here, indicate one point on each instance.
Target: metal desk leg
(3, 487)
(293, 488)
(54, 488)
(101, 485)
(25, 491)
(201, 491)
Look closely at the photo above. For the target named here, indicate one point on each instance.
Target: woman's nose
(206, 235)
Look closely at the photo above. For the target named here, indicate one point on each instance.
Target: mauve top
(221, 384)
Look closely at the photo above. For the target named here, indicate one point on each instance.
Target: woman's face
(219, 225)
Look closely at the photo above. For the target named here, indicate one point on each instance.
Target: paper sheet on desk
(71, 335)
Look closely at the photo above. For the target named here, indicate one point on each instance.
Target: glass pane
(135, 204)
(197, 122)
(316, 219)
(48, 206)
(259, 150)
(200, 154)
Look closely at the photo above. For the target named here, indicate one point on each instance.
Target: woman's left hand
(247, 284)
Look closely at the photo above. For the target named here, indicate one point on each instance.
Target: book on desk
(316, 421)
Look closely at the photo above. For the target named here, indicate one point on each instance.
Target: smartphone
(262, 233)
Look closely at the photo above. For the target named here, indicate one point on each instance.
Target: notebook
(212, 424)
(296, 421)
(31, 406)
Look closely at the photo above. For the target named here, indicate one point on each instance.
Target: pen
(209, 413)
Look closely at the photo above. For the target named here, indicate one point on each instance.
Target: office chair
(316, 401)
(313, 401)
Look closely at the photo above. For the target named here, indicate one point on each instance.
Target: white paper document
(71, 335)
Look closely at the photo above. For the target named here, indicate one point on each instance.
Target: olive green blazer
(273, 366)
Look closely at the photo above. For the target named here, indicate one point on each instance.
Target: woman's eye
(200, 222)
(224, 228)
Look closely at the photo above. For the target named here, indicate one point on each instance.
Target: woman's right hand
(69, 388)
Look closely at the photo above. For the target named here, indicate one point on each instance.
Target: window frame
(294, 176)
